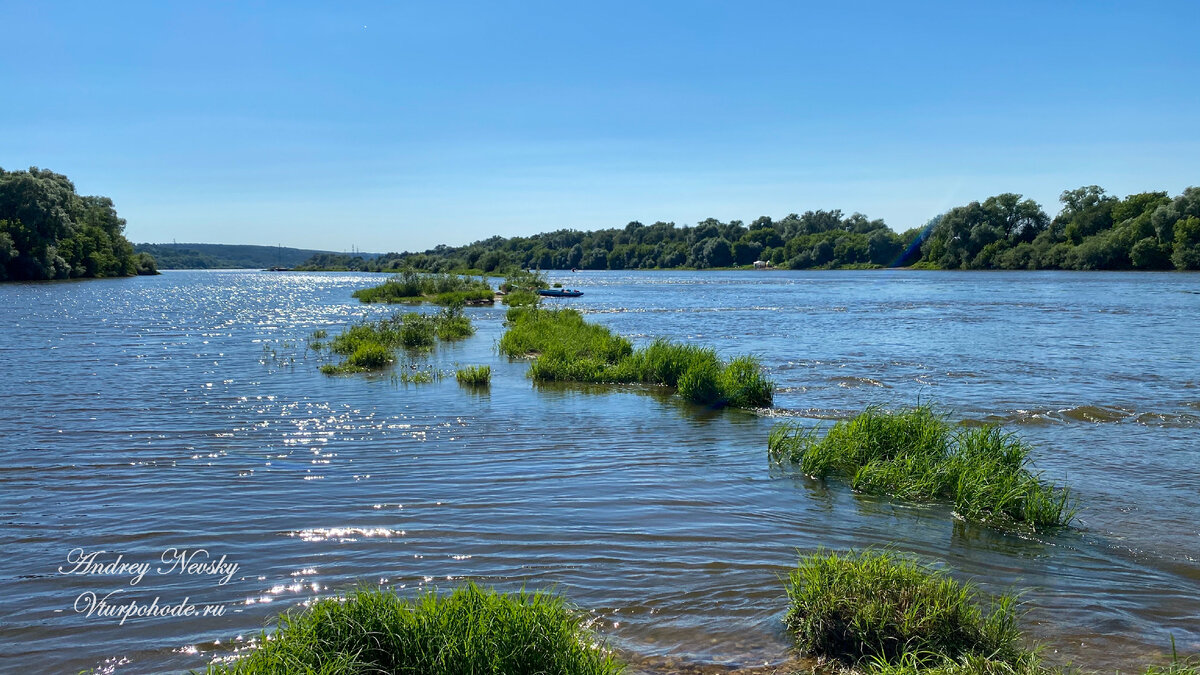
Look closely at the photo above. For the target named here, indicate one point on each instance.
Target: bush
(471, 630)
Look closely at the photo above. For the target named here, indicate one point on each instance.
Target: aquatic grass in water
(569, 349)
(915, 454)
(369, 345)
(414, 375)
(471, 630)
(474, 375)
(880, 607)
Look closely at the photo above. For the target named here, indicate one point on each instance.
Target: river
(183, 415)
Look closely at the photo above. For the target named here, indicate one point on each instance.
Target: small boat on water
(559, 293)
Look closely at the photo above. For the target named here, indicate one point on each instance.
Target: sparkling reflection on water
(185, 412)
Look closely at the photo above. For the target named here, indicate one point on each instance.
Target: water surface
(184, 412)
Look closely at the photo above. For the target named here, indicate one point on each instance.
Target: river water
(183, 413)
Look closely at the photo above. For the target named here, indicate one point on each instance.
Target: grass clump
(881, 608)
(915, 454)
(471, 630)
(567, 348)
(442, 289)
(477, 376)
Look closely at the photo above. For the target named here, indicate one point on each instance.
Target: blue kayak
(559, 293)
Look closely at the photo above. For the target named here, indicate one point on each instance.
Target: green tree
(1149, 254)
(1187, 244)
(51, 232)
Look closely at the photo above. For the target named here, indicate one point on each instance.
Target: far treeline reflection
(1093, 231)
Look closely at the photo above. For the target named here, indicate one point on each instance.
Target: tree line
(48, 231)
(227, 256)
(1092, 231)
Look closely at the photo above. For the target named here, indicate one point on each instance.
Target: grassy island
(440, 289)
(568, 349)
(915, 454)
(471, 630)
(370, 345)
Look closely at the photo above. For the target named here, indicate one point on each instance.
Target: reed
(915, 454)
(471, 630)
(882, 608)
(476, 376)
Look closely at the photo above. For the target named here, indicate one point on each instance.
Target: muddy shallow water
(184, 412)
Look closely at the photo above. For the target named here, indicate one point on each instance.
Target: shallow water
(184, 412)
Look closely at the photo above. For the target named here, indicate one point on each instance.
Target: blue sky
(393, 126)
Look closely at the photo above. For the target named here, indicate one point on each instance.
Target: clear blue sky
(392, 126)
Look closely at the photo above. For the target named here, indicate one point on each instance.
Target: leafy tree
(1187, 244)
(48, 231)
(1149, 254)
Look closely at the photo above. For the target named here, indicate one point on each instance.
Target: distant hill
(229, 256)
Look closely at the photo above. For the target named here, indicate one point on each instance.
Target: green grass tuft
(915, 454)
(567, 348)
(474, 375)
(880, 606)
(471, 630)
